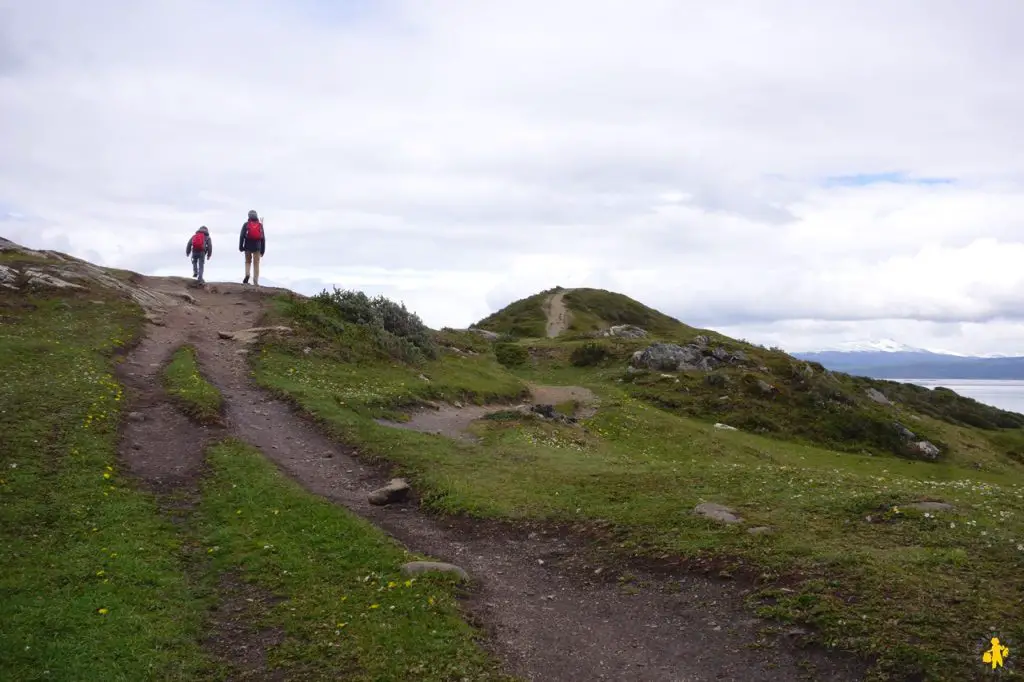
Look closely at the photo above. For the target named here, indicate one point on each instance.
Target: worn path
(557, 313)
(552, 611)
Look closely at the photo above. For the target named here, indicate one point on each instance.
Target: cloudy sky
(792, 172)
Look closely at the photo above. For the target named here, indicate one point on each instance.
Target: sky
(793, 173)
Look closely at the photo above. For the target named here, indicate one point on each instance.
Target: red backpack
(198, 242)
(254, 230)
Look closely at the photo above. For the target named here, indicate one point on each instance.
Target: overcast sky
(794, 173)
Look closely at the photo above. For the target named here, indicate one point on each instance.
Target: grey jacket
(208, 246)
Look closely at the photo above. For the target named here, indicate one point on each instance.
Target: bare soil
(549, 611)
(558, 314)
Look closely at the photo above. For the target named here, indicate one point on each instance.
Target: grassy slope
(915, 589)
(524, 317)
(76, 538)
(98, 585)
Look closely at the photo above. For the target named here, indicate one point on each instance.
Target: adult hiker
(200, 247)
(253, 242)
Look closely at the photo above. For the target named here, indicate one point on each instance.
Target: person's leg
(200, 266)
(248, 263)
(195, 272)
(256, 268)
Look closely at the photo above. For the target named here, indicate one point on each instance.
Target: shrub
(588, 354)
(510, 354)
(399, 332)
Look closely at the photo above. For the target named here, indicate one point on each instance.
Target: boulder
(418, 567)
(624, 331)
(395, 491)
(725, 427)
(905, 433)
(877, 396)
(926, 450)
(765, 387)
(717, 512)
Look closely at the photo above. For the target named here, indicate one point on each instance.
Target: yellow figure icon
(996, 654)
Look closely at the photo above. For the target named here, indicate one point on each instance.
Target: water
(1007, 394)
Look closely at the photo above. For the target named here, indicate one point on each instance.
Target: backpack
(198, 242)
(254, 230)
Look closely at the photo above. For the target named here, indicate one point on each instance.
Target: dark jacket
(208, 246)
(252, 245)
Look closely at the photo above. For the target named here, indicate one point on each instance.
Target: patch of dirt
(233, 636)
(557, 313)
(547, 618)
(445, 420)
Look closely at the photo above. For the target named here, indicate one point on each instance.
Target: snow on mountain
(882, 346)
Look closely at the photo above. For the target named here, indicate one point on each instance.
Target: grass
(917, 590)
(348, 608)
(93, 582)
(522, 318)
(594, 309)
(196, 396)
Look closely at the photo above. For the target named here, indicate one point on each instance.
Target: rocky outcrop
(877, 396)
(717, 512)
(699, 356)
(622, 331)
(395, 491)
(921, 449)
(252, 334)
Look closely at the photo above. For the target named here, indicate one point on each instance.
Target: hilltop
(610, 479)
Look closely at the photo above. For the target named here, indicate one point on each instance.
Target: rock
(307, 350)
(34, 277)
(926, 450)
(187, 297)
(252, 334)
(765, 387)
(905, 433)
(929, 506)
(395, 491)
(701, 340)
(418, 567)
(424, 378)
(624, 331)
(717, 512)
(760, 530)
(877, 396)
(725, 427)
(8, 277)
(489, 335)
(136, 417)
(667, 357)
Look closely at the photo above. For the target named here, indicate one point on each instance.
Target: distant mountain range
(888, 359)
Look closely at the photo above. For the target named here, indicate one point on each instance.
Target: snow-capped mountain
(889, 359)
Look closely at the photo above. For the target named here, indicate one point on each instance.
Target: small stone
(725, 427)
(136, 416)
(930, 506)
(226, 335)
(717, 512)
(395, 491)
(418, 567)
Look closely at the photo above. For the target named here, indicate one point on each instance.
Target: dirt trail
(558, 314)
(550, 613)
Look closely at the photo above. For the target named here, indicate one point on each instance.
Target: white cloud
(458, 155)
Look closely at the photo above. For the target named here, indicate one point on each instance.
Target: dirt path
(558, 314)
(550, 612)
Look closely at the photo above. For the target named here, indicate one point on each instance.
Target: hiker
(200, 247)
(253, 242)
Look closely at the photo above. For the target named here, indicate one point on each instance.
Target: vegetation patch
(522, 318)
(345, 606)
(186, 385)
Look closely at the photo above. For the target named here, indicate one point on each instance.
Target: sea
(1007, 394)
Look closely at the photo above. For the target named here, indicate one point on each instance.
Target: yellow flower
(106, 474)
(101, 573)
(374, 606)
(102, 612)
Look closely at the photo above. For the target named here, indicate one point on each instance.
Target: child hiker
(253, 242)
(200, 247)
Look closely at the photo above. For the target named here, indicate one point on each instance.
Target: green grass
(348, 607)
(594, 309)
(196, 396)
(919, 591)
(75, 538)
(522, 318)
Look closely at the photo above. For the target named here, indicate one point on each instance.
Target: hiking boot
(246, 280)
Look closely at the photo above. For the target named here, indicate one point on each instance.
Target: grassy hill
(854, 536)
(908, 561)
